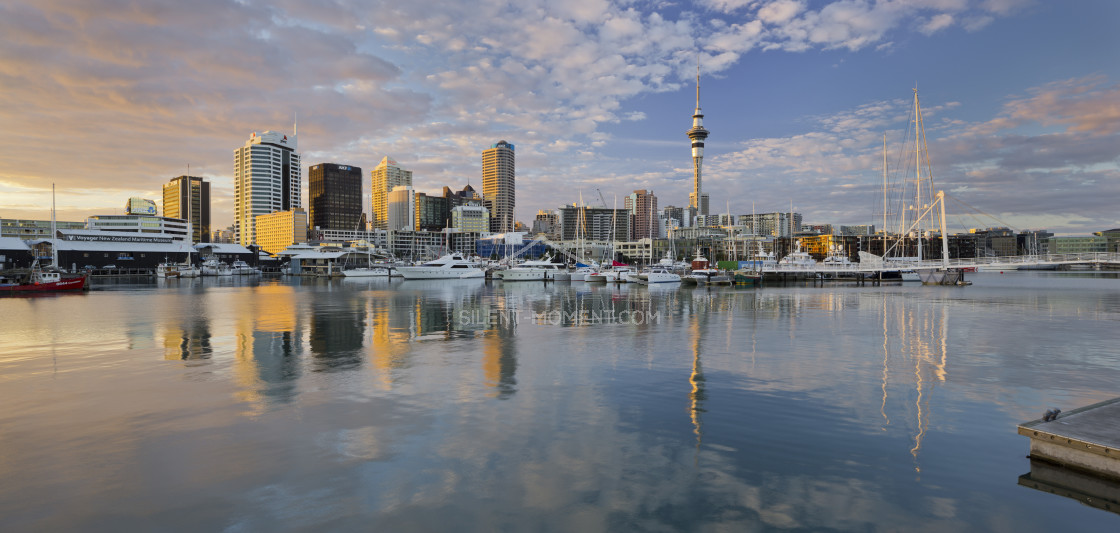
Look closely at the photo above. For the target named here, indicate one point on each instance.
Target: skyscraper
(697, 199)
(266, 179)
(642, 205)
(498, 173)
(335, 197)
(188, 198)
(383, 179)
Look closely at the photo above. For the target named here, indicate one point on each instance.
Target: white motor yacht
(659, 274)
(542, 270)
(241, 268)
(798, 259)
(367, 272)
(450, 266)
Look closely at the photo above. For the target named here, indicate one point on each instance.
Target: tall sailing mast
(918, 167)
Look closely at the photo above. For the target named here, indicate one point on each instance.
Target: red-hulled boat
(40, 281)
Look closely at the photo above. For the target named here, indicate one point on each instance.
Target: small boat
(581, 273)
(747, 277)
(702, 275)
(40, 281)
(167, 270)
(617, 274)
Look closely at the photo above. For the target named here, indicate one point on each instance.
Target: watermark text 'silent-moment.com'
(480, 317)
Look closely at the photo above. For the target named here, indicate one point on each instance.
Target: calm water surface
(219, 405)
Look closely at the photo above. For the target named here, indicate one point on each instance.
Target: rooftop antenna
(295, 124)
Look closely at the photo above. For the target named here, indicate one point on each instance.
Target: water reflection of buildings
(389, 337)
(192, 342)
(337, 332)
(267, 343)
(499, 359)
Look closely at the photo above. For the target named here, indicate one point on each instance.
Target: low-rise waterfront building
(1077, 245)
(34, 229)
(14, 253)
(125, 250)
(176, 228)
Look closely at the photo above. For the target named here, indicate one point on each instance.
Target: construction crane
(601, 199)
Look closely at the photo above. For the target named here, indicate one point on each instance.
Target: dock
(1086, 439)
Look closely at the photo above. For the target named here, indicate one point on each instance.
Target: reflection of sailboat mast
(921, 421)
(886, 356)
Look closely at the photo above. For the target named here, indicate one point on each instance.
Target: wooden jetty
(1085, 439)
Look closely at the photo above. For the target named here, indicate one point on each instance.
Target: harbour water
(302, 404)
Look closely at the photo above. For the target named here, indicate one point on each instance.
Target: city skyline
(1021, 100)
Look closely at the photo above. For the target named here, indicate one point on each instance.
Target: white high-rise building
(383, 179)
(267, 178)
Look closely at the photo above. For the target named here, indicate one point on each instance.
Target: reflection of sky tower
(697, 199)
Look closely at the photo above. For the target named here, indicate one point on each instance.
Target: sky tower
(697, 200)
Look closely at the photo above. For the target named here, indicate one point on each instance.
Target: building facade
(33, 229)
(642, 205)
(383, 179)
(188, 198)
(175, 228)
(141, 206)
(498, 184)
(335, 197)
(266, 179)
(547, 223)
(432, 212)
(471, 218)
(279, 230)
(594, 223)
(772, 224)
(400, 211)
(1077, 245)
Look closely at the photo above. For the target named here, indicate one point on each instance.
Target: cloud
(120, 96)
(836, 166)
(936, 23)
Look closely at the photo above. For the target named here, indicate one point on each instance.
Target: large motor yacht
(450, 266)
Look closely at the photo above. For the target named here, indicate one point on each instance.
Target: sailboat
(929, 276)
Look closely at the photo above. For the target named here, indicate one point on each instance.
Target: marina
(250, 402)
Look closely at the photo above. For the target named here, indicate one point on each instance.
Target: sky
(108, 99)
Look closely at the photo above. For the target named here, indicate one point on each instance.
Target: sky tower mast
(697, 134)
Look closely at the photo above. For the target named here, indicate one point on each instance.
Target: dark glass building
(336, 197)
(188, 198)
(432, 212)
